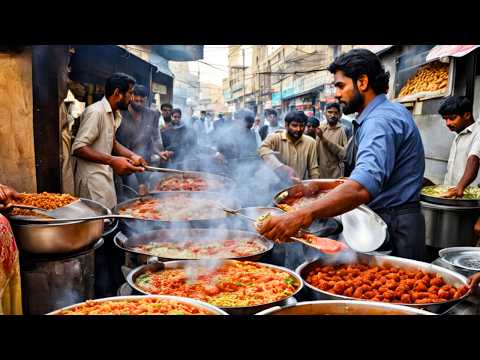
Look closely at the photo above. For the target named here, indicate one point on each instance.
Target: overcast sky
(217, 56)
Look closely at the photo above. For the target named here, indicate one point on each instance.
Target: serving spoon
(298, 239)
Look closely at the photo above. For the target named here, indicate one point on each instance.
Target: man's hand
(319, 133)
(289, 172)
(454, 192)
(474, 280)
(281, 228)
(7, 194)
(123, 166)
(137, 160)
(165, 155)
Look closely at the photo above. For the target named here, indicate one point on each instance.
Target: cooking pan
(467, 203)
(141, 226)
(450, 277)
(343, 307)
(196, 235)
(199, 304)
(243, 310)
(227, 183)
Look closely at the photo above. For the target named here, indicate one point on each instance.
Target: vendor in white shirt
(464, 159)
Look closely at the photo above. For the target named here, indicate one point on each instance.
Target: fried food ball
(348, 292)
(406, 299)
(358, 293)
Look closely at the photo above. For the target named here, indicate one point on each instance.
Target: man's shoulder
(309, 140)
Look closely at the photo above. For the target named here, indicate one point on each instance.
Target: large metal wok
(450, 277)
(245, 310)
(199, 304)
(343, 307)
(227, 184)
(42, 236)
(141, 226)
(196, 235)
(466, 203)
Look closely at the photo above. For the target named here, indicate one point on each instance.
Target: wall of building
(17, 156)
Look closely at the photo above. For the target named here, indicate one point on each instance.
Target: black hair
(203, 112)
(359, 62)
(176, 110)
(140, 90)
(455, 105)
(249, 119)
(164, 105)
(333, 105)
(314, 121)
(118, 81)
(270, 112)
(298, 116)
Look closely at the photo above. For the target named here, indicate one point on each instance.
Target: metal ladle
(302, 231)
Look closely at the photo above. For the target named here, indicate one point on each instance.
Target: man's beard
(354, 104)
(332, 121)
(295, 134)
(136, 107)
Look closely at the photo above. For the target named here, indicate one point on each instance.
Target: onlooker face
(138, 103)
(310, 130)
(166, 113)
(332, 115)
(347, 93)
(295, 129)
(272, 120)
(124, 99)
(457, 122)
(176, 118)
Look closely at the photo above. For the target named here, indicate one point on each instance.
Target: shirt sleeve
(376, 155)
(88, 131)
(475, 149)
(266, 151)
(313, 170)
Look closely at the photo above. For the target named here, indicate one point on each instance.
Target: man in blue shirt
(387, 159)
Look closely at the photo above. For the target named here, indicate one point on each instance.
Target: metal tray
(467, 258)
(244, 310)
(450, 277)
(197, 235)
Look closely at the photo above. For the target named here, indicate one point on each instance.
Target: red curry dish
(384, 283)
(188, 183)
(176, 208)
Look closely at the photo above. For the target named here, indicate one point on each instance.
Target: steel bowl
(450, 277)
(243, 310)
(59, 238)
(197, 235)
(199, 304)
(343, 307)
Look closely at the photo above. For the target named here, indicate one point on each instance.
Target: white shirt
(464, 145)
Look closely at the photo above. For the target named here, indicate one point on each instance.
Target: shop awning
(179, 52)
(440, 51)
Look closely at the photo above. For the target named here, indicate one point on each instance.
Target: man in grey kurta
(97, 153)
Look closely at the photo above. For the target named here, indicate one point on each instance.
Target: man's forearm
(471, 171)
(120, 150)
(343, 198)
(87, 153)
